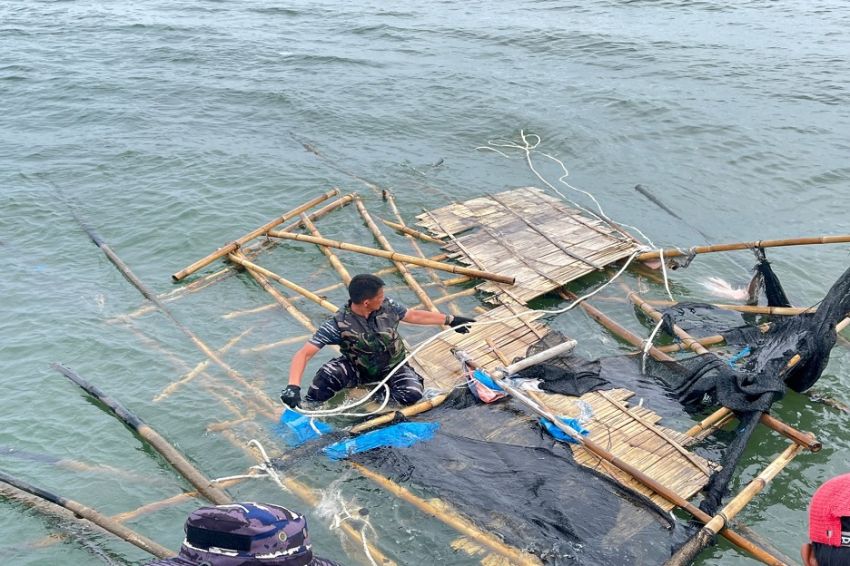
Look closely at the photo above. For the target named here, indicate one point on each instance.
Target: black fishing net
(496, 466)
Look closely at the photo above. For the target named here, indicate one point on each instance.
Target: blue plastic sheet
(296, 429)
(558, 434)
(399, 435)
(482, 376)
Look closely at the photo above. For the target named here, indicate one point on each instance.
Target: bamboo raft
(522, 244)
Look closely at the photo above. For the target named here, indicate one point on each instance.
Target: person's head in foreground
(829, 524)
(245, 534)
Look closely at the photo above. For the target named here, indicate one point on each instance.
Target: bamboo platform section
(529, 234)
(634, 435)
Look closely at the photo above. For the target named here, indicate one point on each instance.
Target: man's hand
(458, 322)
(291, 396)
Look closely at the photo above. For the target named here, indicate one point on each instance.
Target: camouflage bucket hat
(246, 534)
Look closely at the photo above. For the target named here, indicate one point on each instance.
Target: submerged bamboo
(675, 252)
(395, 256)
(171, 454)
(335, 263)
(14, 487)
(385, 244)
(441, 511)
(401, 227)
(751, 309)
(254, 268)
(234, 245)
(689, 551)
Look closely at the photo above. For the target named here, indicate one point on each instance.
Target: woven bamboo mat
(529, 234)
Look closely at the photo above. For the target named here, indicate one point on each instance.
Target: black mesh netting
(495, 465)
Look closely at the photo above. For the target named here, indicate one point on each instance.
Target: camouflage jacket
(373, 345)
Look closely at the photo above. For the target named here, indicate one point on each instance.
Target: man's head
(366, 290)
(829, 524)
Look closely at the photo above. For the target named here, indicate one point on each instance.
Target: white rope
(664, 273)
(266, 465)
(647, 346)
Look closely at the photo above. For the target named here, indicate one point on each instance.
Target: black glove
(291, 396)
(459, 321)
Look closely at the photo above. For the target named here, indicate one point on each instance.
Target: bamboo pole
(404, 229)
(198, 369)
(402, 269)
(254, 268)
(342, 201)
(441, 511)
(260, 277)
(686, 338)
(146, 292)
(234, 245)
(409, 411)
(662, 490)
(270, 346)
(335, 263)
(752, 309)
(689, 551)
(171, 454)
(14, 487)
(410, 235)
(395, 256)
(675, 252)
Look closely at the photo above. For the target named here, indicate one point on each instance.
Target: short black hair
(827, 555)
(364, 287)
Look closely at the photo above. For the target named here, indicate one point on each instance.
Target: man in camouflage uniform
(366, 331)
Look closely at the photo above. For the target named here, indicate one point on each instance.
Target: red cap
(829, 504)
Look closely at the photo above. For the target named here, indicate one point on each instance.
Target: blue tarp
(399, 435)
(296, 429)
(558, 434)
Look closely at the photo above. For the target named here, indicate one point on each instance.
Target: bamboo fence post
(198, 369)
(234, 245)
(13, 487)
(277, 295)
(385, 244)
(256, 269)
(160, 444)
(689, 551)
(395, 256)
(411, 234)
(404, 229)
(335, 263)
(641, 477)
(674, 252)
(440, 510)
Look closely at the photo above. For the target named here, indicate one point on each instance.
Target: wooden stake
(675, 252)
(234, 245)
(335, 263)
(171, 454)
(689, 551)
(395, 257)
(254, 268)
(13, 487)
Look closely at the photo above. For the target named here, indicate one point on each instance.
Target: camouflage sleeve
(326, 335)
(395, 308)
